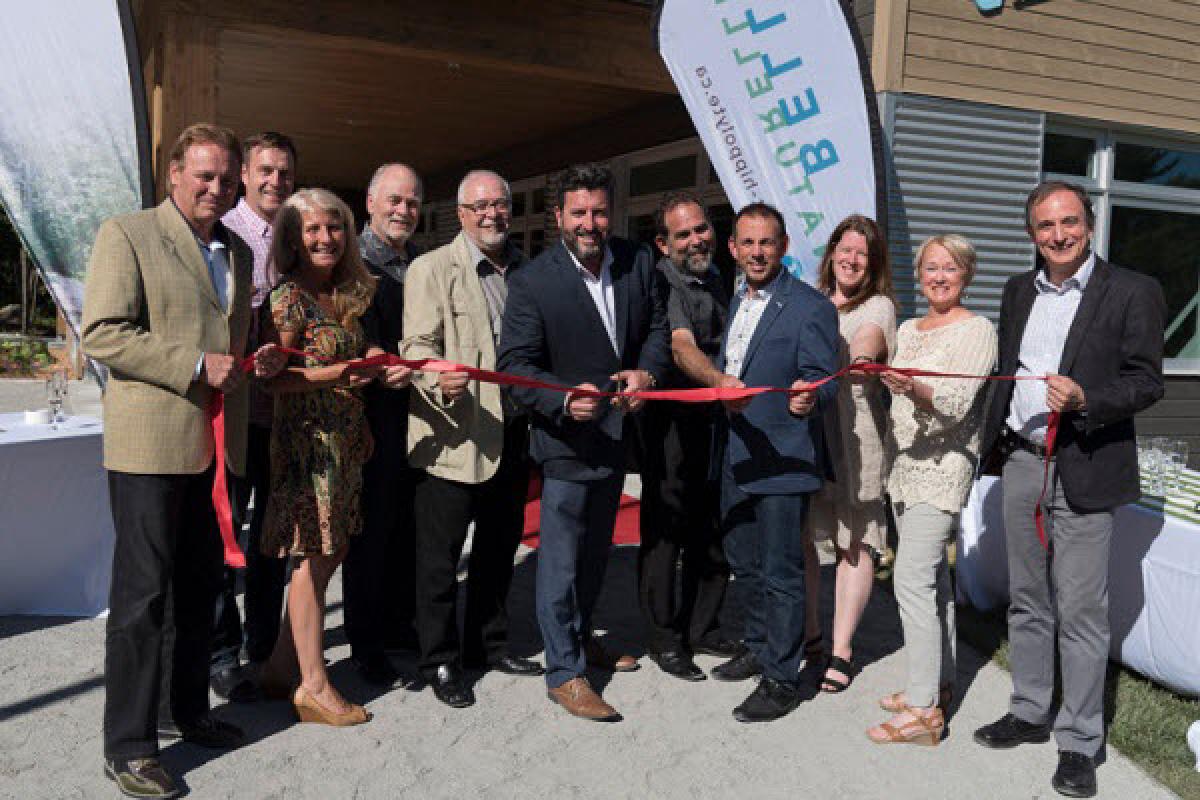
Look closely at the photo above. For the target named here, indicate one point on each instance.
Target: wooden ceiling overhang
(522, 86)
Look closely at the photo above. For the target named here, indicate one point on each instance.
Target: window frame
(1106, 192)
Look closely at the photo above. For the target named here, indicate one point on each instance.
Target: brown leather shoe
(600, 658)
(578, 698)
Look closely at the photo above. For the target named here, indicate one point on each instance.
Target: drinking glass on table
(1149, 464)
(1176, 456)
(56, 392)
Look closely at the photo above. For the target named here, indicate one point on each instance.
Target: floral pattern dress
(319, 439)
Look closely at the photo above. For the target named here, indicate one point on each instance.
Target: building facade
(976, 110)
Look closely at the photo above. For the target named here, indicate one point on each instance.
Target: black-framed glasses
(499, 206)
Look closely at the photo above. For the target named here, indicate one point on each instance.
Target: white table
(1154, 577)
(56, 531)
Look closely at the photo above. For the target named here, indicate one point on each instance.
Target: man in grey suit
(1097, 331)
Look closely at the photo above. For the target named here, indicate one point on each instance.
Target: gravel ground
(677, 740)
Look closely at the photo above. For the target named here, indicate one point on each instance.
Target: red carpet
(624, 532)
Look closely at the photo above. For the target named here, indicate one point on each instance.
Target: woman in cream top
(933, 442)
(856, 275)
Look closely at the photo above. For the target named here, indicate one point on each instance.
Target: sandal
(846, 667)
(918, 730)
(897, 702)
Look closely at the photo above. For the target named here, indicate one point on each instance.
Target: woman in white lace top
(933, 443)
(856, 275)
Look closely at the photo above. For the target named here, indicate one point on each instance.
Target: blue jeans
(763, 543)
(577, 529)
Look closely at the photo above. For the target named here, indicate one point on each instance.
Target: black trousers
(377, 575)
(679, 523)
(443, 511)
(264, 576)
(166, 541)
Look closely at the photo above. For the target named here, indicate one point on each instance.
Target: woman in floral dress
(319, 439)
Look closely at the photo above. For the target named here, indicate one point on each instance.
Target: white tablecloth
(1154, 580)
(56, 531)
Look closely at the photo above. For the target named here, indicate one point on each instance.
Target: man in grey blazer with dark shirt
(1097, 331)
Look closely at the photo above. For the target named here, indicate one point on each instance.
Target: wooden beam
(648, 125)
(187, 65)
(887, 45)
(599, 42)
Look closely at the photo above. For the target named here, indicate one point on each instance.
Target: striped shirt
(1042, 346)
(256, 232)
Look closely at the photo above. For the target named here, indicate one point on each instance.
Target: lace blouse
(933, 453)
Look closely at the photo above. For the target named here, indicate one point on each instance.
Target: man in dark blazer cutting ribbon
(781, 332)
(586, 313)
(1097, 331)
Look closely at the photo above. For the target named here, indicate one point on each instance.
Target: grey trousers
(1064, 589)
(926, 599)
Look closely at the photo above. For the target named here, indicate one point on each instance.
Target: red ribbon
(216, 412)
(234, 556)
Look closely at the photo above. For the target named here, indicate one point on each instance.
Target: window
(662, 176)
(1165, 244)
(1065, 154)
(1146, 194)
(1157, 165)
(518, 204)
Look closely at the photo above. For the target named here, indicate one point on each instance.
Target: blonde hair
(353, 285)
(959, 248)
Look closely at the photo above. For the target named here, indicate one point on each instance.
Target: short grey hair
(383, 168)
(481, 173)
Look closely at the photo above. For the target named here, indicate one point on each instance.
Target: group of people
(384, 470)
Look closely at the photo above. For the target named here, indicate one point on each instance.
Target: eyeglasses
(499, 206)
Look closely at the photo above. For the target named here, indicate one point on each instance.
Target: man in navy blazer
(781, 332)
(586, 313)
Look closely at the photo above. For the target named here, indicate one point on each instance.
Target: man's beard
(492, 238)
(584, 252)
(696, 262)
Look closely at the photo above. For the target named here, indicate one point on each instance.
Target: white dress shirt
(601, 290)
(751, 305)
(1042, 346)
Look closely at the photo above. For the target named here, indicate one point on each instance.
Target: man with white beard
(469, 442)
(679, 508)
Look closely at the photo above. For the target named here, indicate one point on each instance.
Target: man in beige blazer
(167, 311)
(470, 442)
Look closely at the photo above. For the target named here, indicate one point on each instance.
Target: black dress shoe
(714, 644)
(739, 668)
(1075, 776)
(141, 777)
(448, 687)
(1010, 731)
(521, 667)
(678, 664)
(770, 700)
(234, 684)
(167, 729)
(208, 731)
(376, 669)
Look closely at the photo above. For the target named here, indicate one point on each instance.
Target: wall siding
(1100, 60)
(963, 168)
